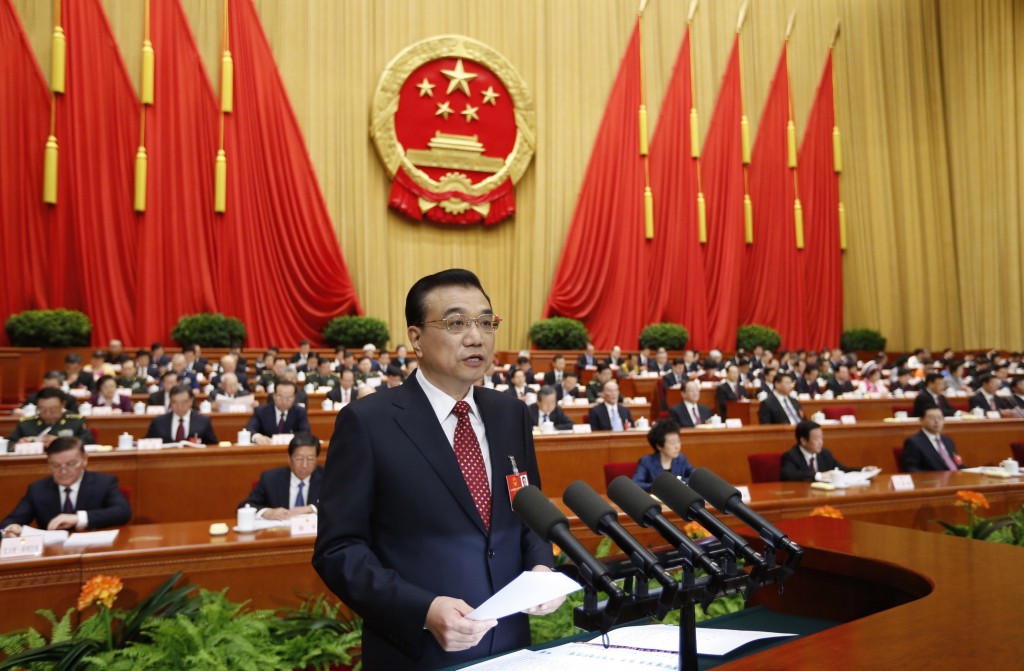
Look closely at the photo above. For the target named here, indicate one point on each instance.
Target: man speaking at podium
(416, 527)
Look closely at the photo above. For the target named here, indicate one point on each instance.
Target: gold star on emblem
(458, 78)
(426, 88)
(444, 109)
(470, 113)
(491, 96)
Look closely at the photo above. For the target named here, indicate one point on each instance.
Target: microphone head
(715, 489)
(538, 512)
(634, 501)
(677, 496)
(588, 504)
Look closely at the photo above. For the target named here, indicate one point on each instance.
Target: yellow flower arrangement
(827, 511)
(101, 590)
(971, 500)
(695, 531)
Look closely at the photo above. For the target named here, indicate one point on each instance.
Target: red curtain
(773, 271)
(280, 268)
(819, 194)
(24, 126)
(722, 175)
(675, 289)
(176, 238)
(602, 264)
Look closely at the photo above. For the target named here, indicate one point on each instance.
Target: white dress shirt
(443, 405)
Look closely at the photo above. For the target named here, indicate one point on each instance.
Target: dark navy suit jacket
(794, 467)
(919, 453)
(198, 425)
(649, 467)
(98, 495)
(600, 420)
(264, 420)
(398, 526)
(272, 489)
(682, 416)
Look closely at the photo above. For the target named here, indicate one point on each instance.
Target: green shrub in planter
(355, 331)
(49, 328)
(862, 339)
(666, 334)
(209, 330)
(751, 335)
(559, 333)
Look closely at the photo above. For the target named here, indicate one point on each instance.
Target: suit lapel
(419, 423)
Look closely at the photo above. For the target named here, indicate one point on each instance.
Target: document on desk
(581, 657)
(91, 539)
(530, 589)
(666, 637)
(49, 537)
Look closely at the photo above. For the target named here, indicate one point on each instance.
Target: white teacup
(900, 414)
(547, 427)
(1010, 466)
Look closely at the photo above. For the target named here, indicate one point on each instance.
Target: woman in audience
(871, 383)
(107, 395)
(664, 440)
(955, 380)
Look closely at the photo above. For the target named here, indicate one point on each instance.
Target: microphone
(726, 498)
(545, 520)
(602, 519)
(646, 512)
(689, 505)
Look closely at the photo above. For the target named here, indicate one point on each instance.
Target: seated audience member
(644, 358)
(365, 371)
(195, 362)
(588, 359)
(932, 397)
(115, 353)
(546, 410)
(596, 384)
(229, 389)
(290, 375)
(345, 392)
(178, 366)
(729, 389)
(271, 375)
(280, 416)
(402, 358)
(690, 413)
(523, 364)
(808, 383)
(392, 377)
(661, 363)
(665, 441)
(130, 378)
(714, 360)
(75, 377)
(1015, 401)
(290, 490)
(108, 395)
(320, 375)
(142, 366)
(159, 360)
(928, 449)
(840, 383)
(98, 366)
(383, 361)
(50, 422)
(675, 378)
(518, 387)
(569, 388)
(369, 350)
(778, 407)
(182, 422)
(986, 398)
(905, 382)
(871, 381)
(614, 359)
(299, 358)
(229, 364)
(53, 379)
(168, 381)
(71, 497)
(746, 377)
(692, 360)
(609, 414)
(494, 375)
(955, 377)
(1002, 372)
(553, 378)
(809, 458)
(631, 366)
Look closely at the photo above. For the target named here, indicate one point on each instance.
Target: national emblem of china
(454, 126)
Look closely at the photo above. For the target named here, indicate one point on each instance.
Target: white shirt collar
(294, 482)
(441, 402)
(931, 436)
(807, 455)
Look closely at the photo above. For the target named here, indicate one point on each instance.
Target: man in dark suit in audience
(729, 389)
(841, 383)
(808, 382)
(609, 414)
(346, 390)
(299, 358)
(586, 360)
(517, 386)
(229, 364)
(553, 378)
(75, 377)
(279, 416)
(71, 497)
(570, 387)
(159, 361)
(290, 490)
(546, 409)
(1015, 401)
(182, 422)
(596, 384)
(660, 364)
(690, 413)
(778, 407)
(932, 397)
(928, 449)
(986, 398)
(168, 381)
(806, 460)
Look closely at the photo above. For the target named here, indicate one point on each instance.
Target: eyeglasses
(459, 323)
(64, 467)
(304, 460)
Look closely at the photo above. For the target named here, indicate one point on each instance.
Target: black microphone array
(718, 560)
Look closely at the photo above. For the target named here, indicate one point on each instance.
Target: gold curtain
(929, 97)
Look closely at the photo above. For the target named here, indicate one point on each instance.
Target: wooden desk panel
(866, 409)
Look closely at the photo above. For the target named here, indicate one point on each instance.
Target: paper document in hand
(666, 637)
(530, 589)
(91, 538)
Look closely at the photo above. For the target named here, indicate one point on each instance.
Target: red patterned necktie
(471, 461)
(180, 434)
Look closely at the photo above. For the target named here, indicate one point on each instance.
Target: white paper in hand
(530, 589)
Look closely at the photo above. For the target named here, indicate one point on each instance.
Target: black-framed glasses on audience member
(460, 323)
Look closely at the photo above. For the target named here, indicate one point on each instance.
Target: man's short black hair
(168, 374)
(395, 371)
(558, 356)
(785, 373)
(546, 390)
(54, 375)
(51, 392)
(660, 431)
(416, 299)
(303, 342)
(286, 383)
(523, 359)
(804, 428)
(303, 439)
(985, 377)
(63, 444)
(73, 358)
(678, 361)
(932, 377)
(142, 352)
(181, 389)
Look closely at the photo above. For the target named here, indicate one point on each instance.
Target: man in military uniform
(271, 376)
(323, 377)
(52, 421)
(130, 379)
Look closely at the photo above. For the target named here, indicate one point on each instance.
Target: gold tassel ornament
(791, 142)
(643, 130)
(148, 73)
(58, 54)
(745, 138)
(748, 219)
(702, 219)
(694, 134)
(837, 150)
(50, 171)
(220, 183)
(648, 213)
(141, 169)
(842, 227)
(798, 220)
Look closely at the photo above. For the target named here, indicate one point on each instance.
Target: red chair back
(837, 411)
(765, 467)
(897, 454)
(615, 469)
(126, 492)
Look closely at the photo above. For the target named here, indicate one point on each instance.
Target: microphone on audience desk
(689, 505)
(602, 519)
(726, 498)
(545, 520)
(646, 512)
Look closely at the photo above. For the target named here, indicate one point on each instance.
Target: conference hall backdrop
(929, 97)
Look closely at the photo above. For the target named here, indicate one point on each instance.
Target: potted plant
(48, 328)
(356, 331)
(666, 334)
(750, 336)
(209, 330)
(559, 333)
(862, 340)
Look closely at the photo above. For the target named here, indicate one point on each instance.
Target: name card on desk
(16, 548)
(733, 423)
(303, 525)
(901, 483)
(150, 443)
(155, 410)
(993, 414)
(581, 428)
(744, 493)
(35, 447)
(102, 410)
(281, 438)
(848, 419)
